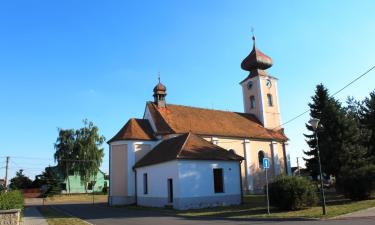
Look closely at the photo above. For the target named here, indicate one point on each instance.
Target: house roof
(186, 146)
(183, 119)
(134, 129)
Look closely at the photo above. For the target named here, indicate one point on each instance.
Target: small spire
(159, 77)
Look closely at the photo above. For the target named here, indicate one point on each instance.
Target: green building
(73, 185)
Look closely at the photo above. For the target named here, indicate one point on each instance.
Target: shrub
(11, 200)
(292, 193)
(357, 183)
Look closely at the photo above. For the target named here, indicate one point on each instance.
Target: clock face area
(249, 85)
(268, 83)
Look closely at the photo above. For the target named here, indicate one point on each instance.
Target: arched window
(260, 158)
(270, 100)
(252, 102)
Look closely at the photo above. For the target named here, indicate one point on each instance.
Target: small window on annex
(218, 180)
(270, 100)
(252, 102)
(145, 184)
(260, 158)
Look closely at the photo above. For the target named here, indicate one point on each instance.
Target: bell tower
(260, 89)
(160, 91)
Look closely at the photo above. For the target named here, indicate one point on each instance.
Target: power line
(306, 111)
(347, 85)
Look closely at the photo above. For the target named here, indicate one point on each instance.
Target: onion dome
(256, 60)
(159, 88)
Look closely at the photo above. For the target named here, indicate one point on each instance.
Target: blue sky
(63, 61)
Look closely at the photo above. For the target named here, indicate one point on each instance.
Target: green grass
(255, 207)
(55, 217)
(98, 198)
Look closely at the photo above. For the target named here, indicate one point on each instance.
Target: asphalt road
(102, 214)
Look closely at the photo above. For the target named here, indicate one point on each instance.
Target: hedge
(11, 200)
(292, 193)
(357, 183)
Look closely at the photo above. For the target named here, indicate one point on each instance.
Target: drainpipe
(135, 185)
(239, 164)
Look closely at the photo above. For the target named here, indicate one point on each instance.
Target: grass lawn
(98, 198)
(255, 207)
(55, 217)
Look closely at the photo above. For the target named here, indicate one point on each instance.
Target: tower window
(260, 158)
(252, 102)
(270, 100)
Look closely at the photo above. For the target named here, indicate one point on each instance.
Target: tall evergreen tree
(338, 135)
(52, 182)
(368, 122)
(353, 154)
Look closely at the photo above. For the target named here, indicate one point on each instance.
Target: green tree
(368, 122)
(338, 135)
(65, 154)
(80, 152)
(89, 151)
(20, 181)
(327, 109)
(52, 182)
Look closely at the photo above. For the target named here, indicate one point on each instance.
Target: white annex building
(189, 157)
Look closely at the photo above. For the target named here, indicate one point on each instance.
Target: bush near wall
(357, 183)
(292, 193)
(11, 200)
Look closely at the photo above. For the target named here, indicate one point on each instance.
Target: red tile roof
(135, 129)
(186, 146)
(183, 119)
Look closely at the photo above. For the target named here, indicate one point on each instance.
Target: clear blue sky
(63, 61)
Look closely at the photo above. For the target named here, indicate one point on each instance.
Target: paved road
(31, 216)
(101, 214)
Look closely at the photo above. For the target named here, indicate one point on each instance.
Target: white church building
(188, 157)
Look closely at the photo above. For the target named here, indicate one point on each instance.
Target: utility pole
(299, 170)
(6, 171)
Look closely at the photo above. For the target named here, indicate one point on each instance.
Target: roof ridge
(220, 110)
(183, 145)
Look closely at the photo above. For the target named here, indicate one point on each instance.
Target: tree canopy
(346, 142)
(79, 151)
(20, 181)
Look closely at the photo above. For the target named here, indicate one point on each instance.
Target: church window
(270, 100)
(145, 184)
(260, 158)
(218, 180)
(252, 102)
(250, 85)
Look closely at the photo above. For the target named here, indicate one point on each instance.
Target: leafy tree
(89, 152)
(79, 152)
(20, 181)
(65, 154)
